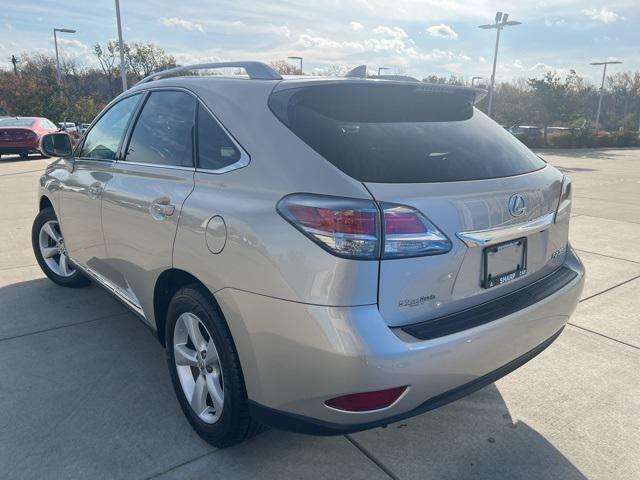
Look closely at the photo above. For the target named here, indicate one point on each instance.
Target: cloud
(181, 23)
(356, 26)
(395, 32)
(442, 31)
(603, 15)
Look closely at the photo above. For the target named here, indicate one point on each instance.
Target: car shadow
(87, 346)
(16, 158)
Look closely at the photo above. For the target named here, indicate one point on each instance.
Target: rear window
(17, 122)
(390, 133)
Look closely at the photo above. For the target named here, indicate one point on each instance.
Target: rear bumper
(19, 147)
(296, 356)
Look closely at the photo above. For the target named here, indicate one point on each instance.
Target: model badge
(516, 205)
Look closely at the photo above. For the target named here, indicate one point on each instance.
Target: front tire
(205, 369)
(50, 252)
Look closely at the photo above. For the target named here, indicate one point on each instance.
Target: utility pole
(500, 23)
(14, 60)
(604, 74)
(123, 68)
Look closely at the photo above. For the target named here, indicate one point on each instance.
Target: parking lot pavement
(84, 389)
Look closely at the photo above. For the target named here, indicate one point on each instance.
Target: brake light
(408, 233)
(366, 401)
(564, 203)
(350, 227)
(344, 226)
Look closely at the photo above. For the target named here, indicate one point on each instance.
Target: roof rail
(255, 70)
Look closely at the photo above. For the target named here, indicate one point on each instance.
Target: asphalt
(84, 389)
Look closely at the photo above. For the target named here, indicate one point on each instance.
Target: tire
(24, 156)
(49, 251)
(218, 374)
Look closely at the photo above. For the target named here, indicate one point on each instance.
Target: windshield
(17, 122)
(400, 133)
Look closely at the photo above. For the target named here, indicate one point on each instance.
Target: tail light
(345, 227)
(366, 401)
(351, 228)
(564, 204)
(408, 233)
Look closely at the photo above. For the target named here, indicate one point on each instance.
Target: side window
(103, 139)
(215, 148)
(163, 134)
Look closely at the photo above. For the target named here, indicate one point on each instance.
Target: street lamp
(123, 69)
(473, 79)
(604, 73)
(297, 58)
(500, 23)
(383, 68)
(55, 42)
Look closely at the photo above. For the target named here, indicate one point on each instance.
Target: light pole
(123, 69)
(383, 68)
(297, 58)
(55, 42)
(473, 79)
(500, 23)
(604, 74)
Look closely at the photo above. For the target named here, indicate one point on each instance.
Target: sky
(413, 37)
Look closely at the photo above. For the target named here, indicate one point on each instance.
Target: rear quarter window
(399, 133)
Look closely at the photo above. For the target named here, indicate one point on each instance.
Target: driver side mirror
(56, 145)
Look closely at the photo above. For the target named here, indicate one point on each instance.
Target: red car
(21, 135)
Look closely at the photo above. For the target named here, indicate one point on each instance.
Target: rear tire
(207, 376)
(48, 247)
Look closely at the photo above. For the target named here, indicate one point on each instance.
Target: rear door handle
(160, 209)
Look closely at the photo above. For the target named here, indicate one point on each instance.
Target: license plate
(504, 262)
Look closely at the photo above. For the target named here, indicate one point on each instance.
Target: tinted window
(17, 122)
(103, 139)
(215, 148)
(163, 134)
(402, 133)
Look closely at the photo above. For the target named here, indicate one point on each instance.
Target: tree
(285, 68)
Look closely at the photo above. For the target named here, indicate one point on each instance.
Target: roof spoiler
(472, 94)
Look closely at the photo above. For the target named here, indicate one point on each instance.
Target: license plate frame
(509, 256)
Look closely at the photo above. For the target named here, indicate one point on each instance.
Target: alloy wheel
(198, 365)
(53, 250)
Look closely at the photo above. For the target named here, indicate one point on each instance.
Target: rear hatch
(427, 147)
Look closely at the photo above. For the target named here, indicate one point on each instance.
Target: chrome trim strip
(113, 289)
(480, 238)
(123, 163)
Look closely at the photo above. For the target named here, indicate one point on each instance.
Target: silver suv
(322, 255)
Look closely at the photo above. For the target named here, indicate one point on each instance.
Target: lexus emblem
(517, 205)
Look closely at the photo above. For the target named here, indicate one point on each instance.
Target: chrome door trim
(112, 288)
(479, 238)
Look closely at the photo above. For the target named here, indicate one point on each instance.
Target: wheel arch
(45, 202)
(167, 284)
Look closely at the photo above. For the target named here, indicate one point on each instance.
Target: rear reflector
(366, 401)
